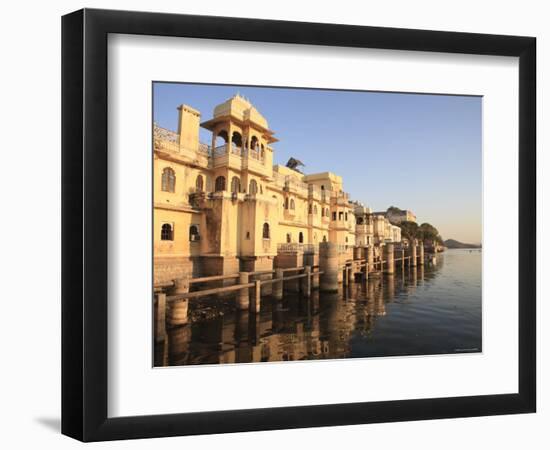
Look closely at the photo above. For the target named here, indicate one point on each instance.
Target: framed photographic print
(273, 224)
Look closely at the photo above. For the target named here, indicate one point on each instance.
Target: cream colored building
(224, 207)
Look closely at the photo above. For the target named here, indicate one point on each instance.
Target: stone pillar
(328, 264)
(306, 282)
(161, 317)
(178, 308)
(390, 260)
(402, 258)
(256, 303)
(243, 300)
(421, 253)
(277, 291)
(413, 253)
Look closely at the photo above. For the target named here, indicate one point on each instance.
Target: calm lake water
(434, 309)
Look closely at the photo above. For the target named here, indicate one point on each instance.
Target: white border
(135, 388)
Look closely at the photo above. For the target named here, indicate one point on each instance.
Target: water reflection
(424, 310)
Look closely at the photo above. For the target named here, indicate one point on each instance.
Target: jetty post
(370, 258)
(161, 317)
(256, 304)
(277, 291)
(306, 282)
(413, 252)
(243, 300)
(421, 253)
(390, 259)
(178, 308)
(328, 264)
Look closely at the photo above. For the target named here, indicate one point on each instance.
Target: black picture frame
(84, 224)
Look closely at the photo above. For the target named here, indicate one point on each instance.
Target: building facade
(224, 207)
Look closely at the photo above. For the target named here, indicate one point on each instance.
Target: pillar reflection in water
(178, 345)
(326, 325)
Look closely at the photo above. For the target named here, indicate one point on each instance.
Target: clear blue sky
(417, 152)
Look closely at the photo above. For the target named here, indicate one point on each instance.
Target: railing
(164, 134)
(204, 148)
(220, 150)
(293, 247)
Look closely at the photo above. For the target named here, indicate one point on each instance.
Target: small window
(220, 184)
(346, 239)
(194, 233)
(235, 185)
(315, 209)
(340, 215)
(301, 238)
(334, 215)
(265, 232)
(253, 187)
(322, 187)
(166, 232)
(288, 238)
(168, 180)
(310, 211)
(286, 203)
(247, 235)
(346, 216)
(199, 184)
(292, 205)
(324, 239)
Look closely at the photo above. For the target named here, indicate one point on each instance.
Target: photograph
(304, 224)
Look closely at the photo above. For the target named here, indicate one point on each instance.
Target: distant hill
(451, 243)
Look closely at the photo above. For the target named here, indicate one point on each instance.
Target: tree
(427, 231)
(409, 230)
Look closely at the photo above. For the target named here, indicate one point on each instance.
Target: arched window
(253, 187)
(301, 238)
(166, 232)
(254, 143)
(235, 185)
(288, 238)
(221, 138)
(265, 231)
(310, 210)
(220, 184)
(168, 180)
(322, 212)
(236, 140)
(194, 233)
(324, 239)
(199, 183)
(292, 205)
(286, 203)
